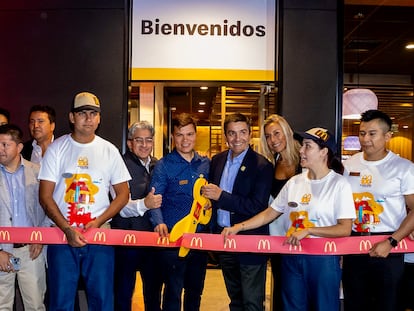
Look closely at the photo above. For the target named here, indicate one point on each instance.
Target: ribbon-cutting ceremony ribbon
(206, 242)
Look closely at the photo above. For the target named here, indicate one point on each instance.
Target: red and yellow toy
(198, 214)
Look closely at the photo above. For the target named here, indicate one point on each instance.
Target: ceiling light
(203, 87)
(202, 103)
(410, 46)
(200, 110)
(357, 101)
(405, 126)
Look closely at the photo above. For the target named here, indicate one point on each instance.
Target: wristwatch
(393, 241)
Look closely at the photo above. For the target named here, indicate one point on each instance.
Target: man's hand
(153, 200)
(74, 237)
(5, 264)
(35, 250)
(162, 230)
(380, 249)
(211, 191)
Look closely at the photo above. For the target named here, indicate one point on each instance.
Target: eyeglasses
(141, 140)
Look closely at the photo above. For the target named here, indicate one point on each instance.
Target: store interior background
(375, 34)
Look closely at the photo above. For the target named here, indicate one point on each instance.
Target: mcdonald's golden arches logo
(306, 198)
(230, 243)
(99, 236)
(402, 245)
(5, 235)
(330, 247)
(322, 135)
(195, 241)
(365, 245)
(163, 241)
(36, 235)
(295, 248)
(263, 244)
(366, 180)
(130, 238)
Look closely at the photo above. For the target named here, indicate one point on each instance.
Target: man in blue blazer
(239, 186)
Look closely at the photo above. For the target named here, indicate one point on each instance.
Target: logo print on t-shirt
(367, 211)
(80, 192)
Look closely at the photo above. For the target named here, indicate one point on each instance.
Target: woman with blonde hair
(282, 149)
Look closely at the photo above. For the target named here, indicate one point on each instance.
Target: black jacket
(139, 188)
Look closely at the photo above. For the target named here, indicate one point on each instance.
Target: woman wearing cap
(282, 149)
(316, 203)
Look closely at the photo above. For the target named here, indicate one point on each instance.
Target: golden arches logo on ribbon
(295, 248)
(365, 245)
(330, 247)
(402, 245)
(99, 236)
(230, 243)
(5, 235)
(36, 235)
(197, 242)
(130, 239)
(163, 241)
(306, 198)
(263, 244)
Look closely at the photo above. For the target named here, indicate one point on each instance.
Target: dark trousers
(127, 261)
(408, 286)
(180, 273)
(245, 283)
(276, 262)
(372, 283)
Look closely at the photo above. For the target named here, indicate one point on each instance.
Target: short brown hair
(181, 120)
(14, 131)
(237, 117)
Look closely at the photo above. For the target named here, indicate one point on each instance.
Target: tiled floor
(214, 296)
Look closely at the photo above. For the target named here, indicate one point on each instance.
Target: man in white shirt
(41, 125)
(77, 171)
(383, 188)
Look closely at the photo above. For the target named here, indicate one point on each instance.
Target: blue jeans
(95, 263)
(310, 282)
(186, 273)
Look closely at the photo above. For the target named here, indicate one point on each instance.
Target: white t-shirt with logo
(308, 203)
(83, 174)
(379, 188)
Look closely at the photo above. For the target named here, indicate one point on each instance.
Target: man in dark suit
(240, 182)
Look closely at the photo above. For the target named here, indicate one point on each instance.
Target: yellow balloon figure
(198, 214)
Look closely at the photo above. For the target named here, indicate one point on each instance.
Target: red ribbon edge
(204, 241)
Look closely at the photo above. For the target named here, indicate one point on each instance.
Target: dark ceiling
(375, 35)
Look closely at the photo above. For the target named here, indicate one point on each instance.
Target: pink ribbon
(211, 242)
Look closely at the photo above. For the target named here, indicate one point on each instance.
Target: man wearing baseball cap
(74, 194)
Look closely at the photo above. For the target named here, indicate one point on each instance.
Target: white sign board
(203, 40)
